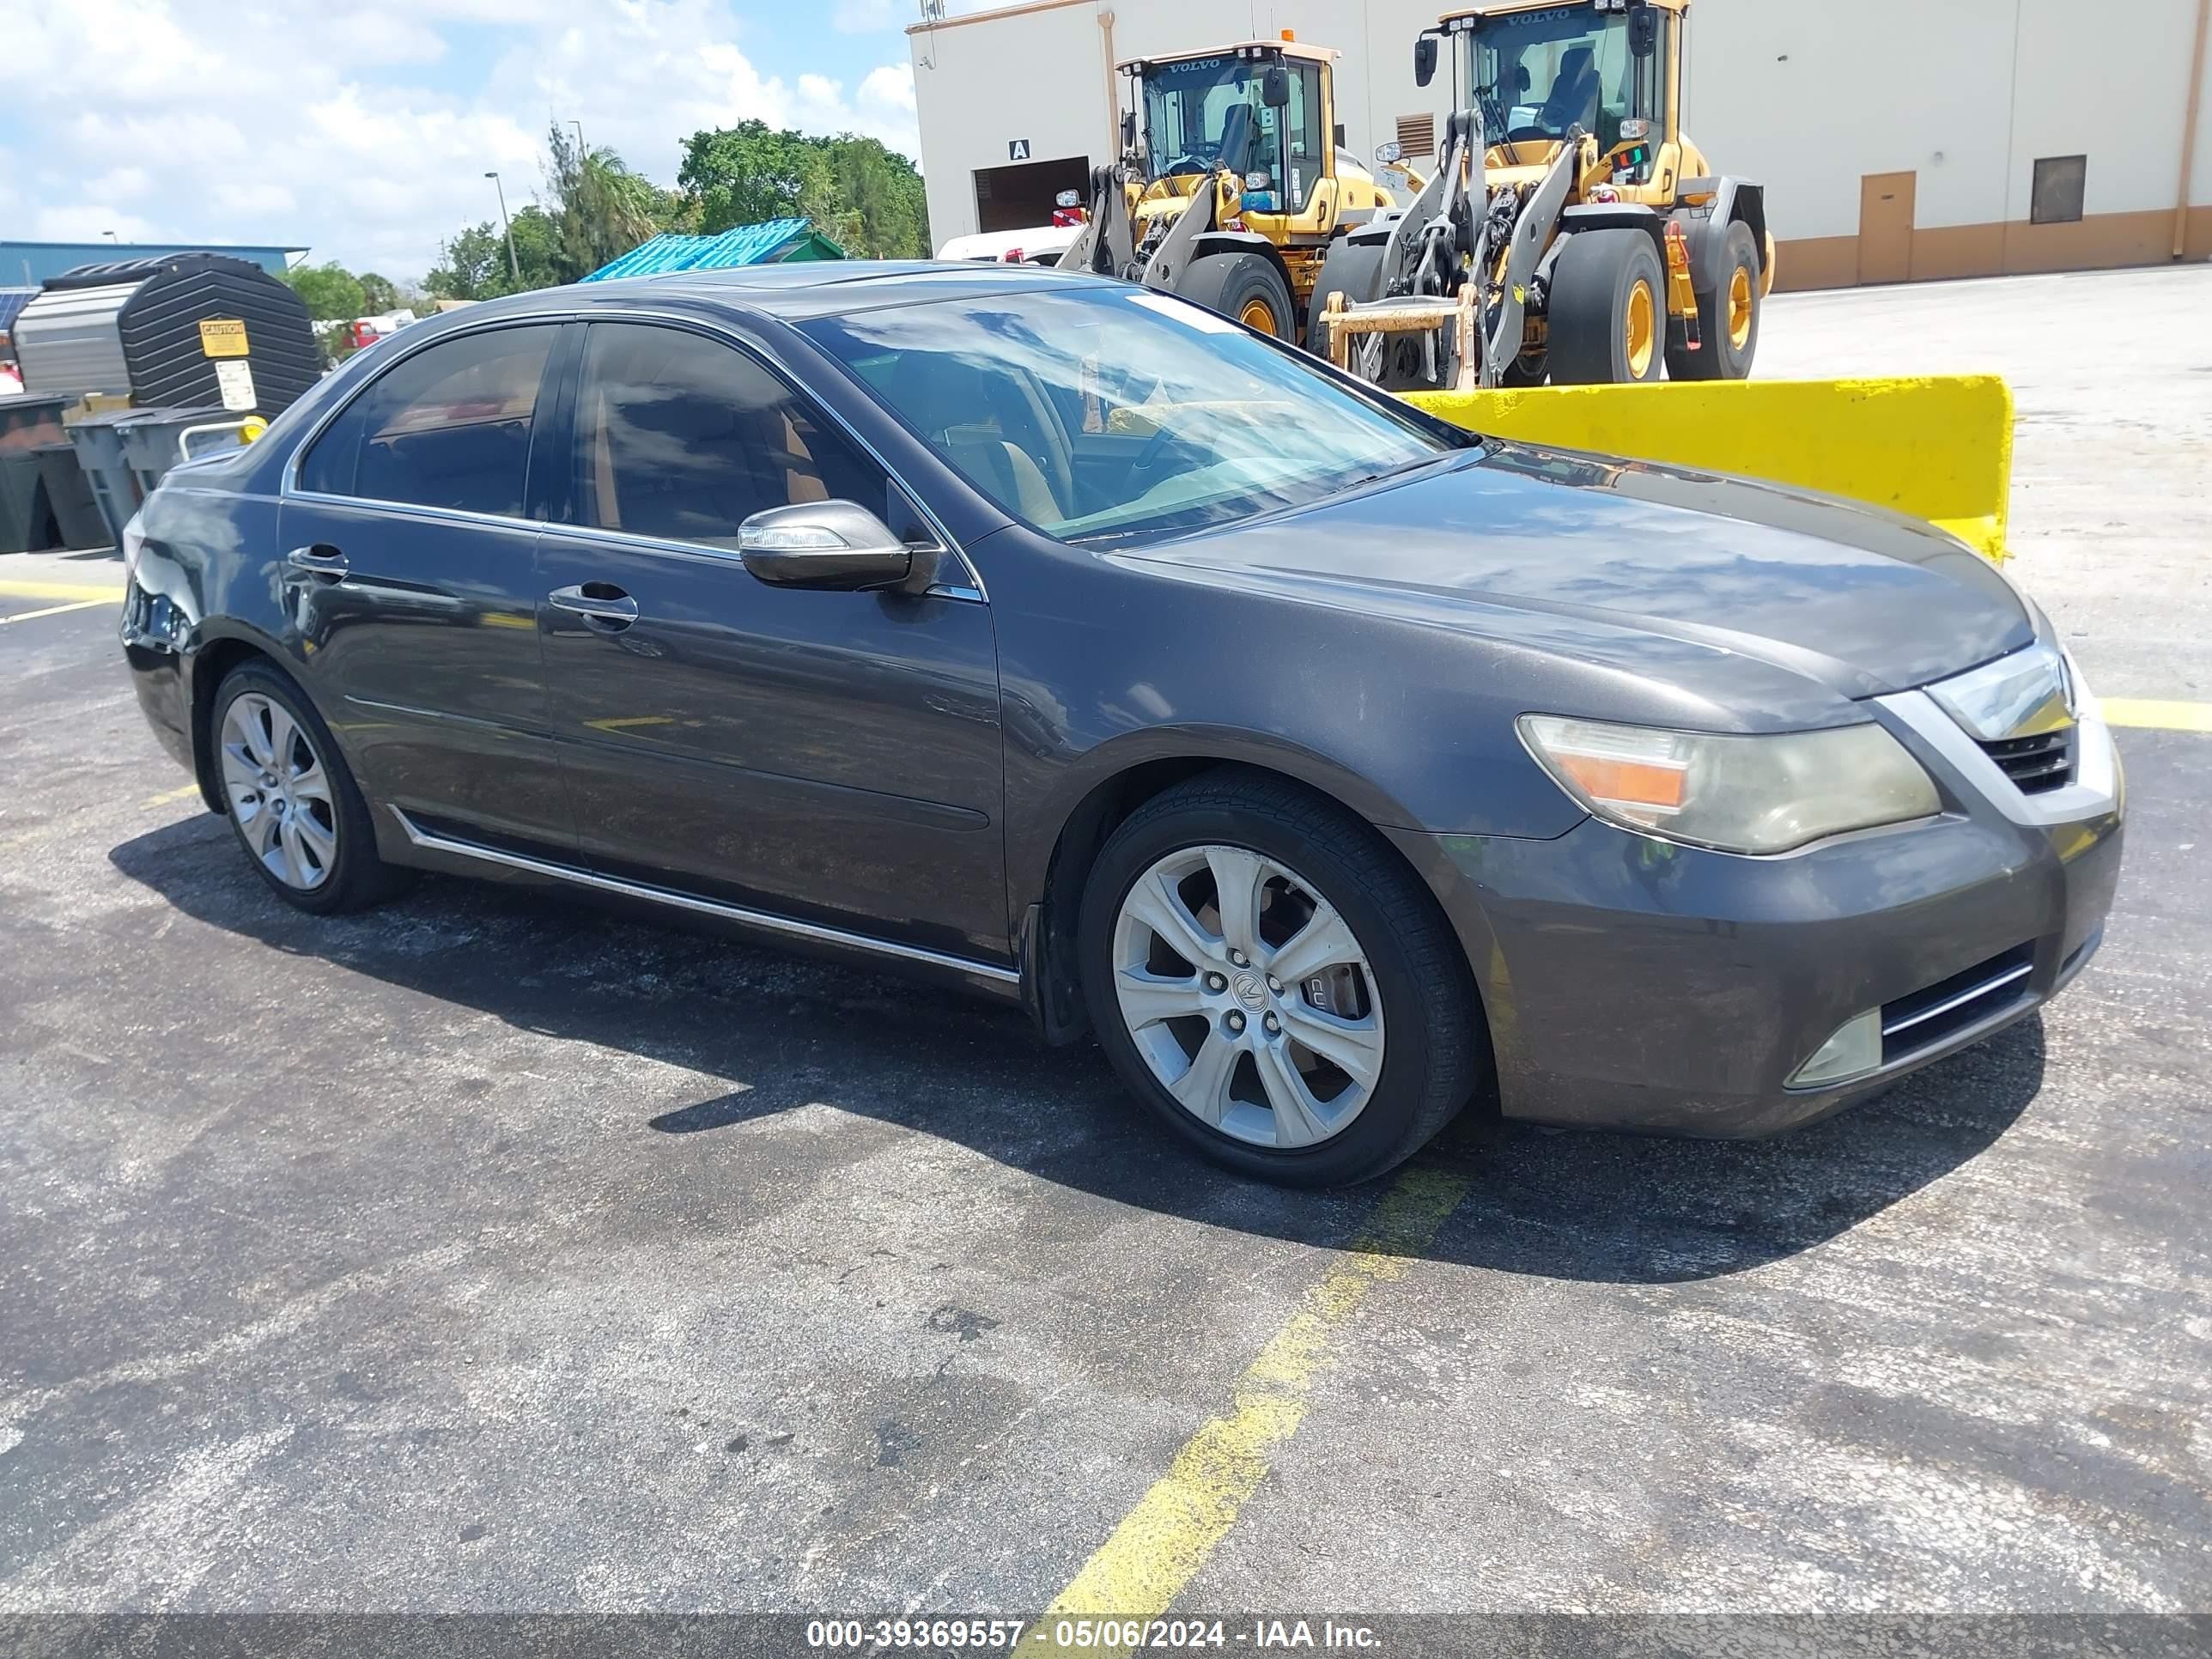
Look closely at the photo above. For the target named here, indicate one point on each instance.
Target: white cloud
(366, 132)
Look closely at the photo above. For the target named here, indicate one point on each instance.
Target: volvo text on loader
(1572, 230)
(1232, 184)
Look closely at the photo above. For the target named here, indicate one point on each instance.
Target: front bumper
(1635, 983)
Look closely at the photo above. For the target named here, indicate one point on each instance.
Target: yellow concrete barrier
(1938, 447)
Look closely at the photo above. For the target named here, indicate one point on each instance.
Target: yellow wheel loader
(1233, 182)
(1572, 231)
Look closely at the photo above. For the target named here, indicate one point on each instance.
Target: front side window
(1208, 112)
(1102, 413)
(1537, 74)
(449, 426)
(683, 439)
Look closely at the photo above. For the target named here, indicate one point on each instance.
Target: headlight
(1739, 794)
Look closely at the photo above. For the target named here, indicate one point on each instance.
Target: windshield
(1112, 413)
(1206, 112)
(1536, 74)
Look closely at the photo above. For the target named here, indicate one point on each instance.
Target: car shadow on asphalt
(787, 1032)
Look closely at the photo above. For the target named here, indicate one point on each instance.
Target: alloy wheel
(1248, 996)
(279, 792)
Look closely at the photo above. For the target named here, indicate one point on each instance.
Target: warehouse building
(1899, 139)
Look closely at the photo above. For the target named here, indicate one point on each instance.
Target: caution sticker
(223, 337)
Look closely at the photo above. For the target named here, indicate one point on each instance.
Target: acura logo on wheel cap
(1248, 990)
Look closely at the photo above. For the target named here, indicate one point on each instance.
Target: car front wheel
(1265, 972)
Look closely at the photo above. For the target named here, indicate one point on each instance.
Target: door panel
(829, 756)
(1886, 206)
(429, 644)
(419, 608)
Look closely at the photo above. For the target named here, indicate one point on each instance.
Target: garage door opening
(1015, 197)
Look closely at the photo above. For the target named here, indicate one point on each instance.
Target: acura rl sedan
(1060, 642)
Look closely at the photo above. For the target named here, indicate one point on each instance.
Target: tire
(1608, 310)
(1411, 1024)
(332, 866)
(1728, 308)
(1243, 286)
(1353, 269)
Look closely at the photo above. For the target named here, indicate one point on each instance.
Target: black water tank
(133, 327)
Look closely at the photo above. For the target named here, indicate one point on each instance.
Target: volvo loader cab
(1573, 230)
(1232, 183)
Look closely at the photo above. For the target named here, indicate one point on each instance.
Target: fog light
(1855, 1050)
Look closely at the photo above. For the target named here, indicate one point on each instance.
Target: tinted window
(680, 438)
(449, 426)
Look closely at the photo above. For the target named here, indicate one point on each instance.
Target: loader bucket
(1938, 447)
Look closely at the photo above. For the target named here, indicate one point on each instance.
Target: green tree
(882, 187)
(864, 198)
(378, 294)
(330, 291)
(744, 174)
(474, 265)
(599, 208)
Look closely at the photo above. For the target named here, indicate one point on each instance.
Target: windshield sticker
(1183, 312)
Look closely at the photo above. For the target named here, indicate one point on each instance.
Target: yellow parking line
(168, 795)
(11, 589)
(1175, 1528)
(55, 610)
(2156, 712)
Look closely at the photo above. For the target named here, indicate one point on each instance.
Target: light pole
(513, 264)
(579, 125)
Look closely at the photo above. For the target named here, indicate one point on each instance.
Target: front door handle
(320, 560)
(600, 602)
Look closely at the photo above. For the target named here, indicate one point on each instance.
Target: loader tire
(1242, 286)
(1608, 310)
(1728, 305)
(1353, 270)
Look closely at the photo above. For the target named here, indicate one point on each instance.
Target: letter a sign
(1017, 150)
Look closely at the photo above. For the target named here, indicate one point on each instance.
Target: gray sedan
(1051, 639)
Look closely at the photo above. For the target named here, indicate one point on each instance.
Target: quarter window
(682, 439)
(449, 426)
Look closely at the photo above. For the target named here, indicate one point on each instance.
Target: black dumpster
(77, 515)
(27, 522)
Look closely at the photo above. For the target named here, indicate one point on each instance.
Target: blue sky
(365, 131)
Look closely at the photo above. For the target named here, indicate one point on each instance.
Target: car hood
(1697, 567)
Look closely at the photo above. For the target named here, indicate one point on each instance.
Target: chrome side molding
(431, 841)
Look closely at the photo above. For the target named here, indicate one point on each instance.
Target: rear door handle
(320, 560)
(598, 602)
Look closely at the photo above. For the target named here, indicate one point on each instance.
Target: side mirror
(1643, 31)
(1389, 153)
(831, 544)
(1424, 60)
(1128, 130)
(1275, 87)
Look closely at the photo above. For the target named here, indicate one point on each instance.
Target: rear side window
(683, 439)
(450, 427)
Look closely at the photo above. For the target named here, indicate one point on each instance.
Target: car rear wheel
(1267, 976)
(292, 803)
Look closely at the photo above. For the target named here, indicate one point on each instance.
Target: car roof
(793, 292)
